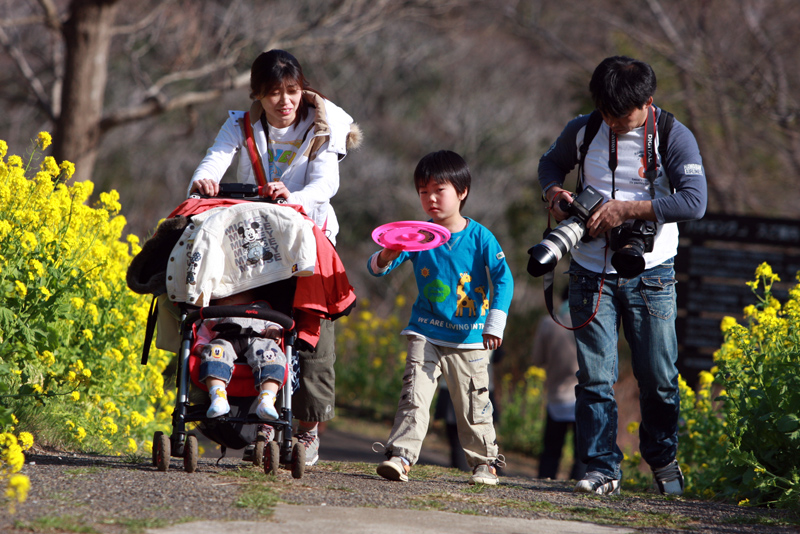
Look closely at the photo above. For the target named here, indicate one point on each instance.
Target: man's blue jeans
(646, 308)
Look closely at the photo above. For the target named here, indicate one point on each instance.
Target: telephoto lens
(546, 255)
(563, 237)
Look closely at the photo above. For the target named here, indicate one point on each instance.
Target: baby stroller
(239, 428)
(256, 259)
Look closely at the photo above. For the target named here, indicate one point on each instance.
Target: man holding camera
(647, 189)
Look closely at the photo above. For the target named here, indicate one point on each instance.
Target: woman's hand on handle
(205, 186)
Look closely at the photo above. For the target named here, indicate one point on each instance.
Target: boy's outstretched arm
(387, 256)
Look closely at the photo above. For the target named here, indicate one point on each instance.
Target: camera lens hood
(628, 262)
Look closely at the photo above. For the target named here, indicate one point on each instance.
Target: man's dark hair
(443, 167)
(619, 84)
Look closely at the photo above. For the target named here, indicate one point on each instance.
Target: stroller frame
(282, 450)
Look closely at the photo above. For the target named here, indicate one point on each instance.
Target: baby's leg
(269, 372)
(216, 368)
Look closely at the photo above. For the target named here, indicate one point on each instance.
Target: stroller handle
(252, 192)
(252, 312)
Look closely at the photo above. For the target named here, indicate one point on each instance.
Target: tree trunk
(87, 34)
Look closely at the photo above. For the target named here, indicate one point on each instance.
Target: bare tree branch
(25, 69)
(52, 18)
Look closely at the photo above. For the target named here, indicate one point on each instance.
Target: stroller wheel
(162, 451)
(190, 454)
(272, 458)
(156, 438)
(258, 452)
(298, 460)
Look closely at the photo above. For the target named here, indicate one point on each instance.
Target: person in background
(554, 351)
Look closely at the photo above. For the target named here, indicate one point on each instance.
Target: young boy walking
(465, 288)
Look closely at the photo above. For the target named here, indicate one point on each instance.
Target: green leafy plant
(70, 330)
(757, 367)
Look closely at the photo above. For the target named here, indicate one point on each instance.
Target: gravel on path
(110, 494)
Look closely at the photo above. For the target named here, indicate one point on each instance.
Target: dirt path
(105, 494)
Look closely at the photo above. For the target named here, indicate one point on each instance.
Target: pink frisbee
(410, 235)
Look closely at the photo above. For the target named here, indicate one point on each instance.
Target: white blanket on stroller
(228, 250)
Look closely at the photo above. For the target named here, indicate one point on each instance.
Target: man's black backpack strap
(592, 127)
(665, 121)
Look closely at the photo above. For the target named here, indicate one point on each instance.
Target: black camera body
(630, 241)
(566, 235)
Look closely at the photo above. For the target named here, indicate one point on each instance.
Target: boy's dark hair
(444, 167)
(619, 84)
(274, 68)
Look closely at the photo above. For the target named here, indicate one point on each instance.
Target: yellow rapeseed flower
(20, 288)
(25, 440)
(44, 140)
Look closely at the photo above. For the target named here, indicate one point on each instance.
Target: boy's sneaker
(484, 474)
(597, 482)
(668, 480)
(310, 441)
(487, 473)
(394, 469)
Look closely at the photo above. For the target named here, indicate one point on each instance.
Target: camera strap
(547, 280)
(650, 160)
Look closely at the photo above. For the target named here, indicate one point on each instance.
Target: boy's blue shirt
(448, 273)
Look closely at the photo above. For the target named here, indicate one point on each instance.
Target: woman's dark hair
(619, 84)
(444, 167)
(274, 68)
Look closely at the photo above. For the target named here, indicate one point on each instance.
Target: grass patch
(608, 516)
(137, 459)
(532, 506)
(422, 503)
(428, 472)
(350, 468)
(758, 520)
(56, 524)
(251, 473)
(340, 488)
(262, 499)
(63, 496)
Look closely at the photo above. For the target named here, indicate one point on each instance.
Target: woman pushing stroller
(290, 143)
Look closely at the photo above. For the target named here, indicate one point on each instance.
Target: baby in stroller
(222, 340)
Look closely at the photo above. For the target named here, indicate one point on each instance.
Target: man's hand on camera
(554, 195)
(615, 212)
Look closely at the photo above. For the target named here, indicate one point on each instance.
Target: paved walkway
(332, 520)
(345, 447)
